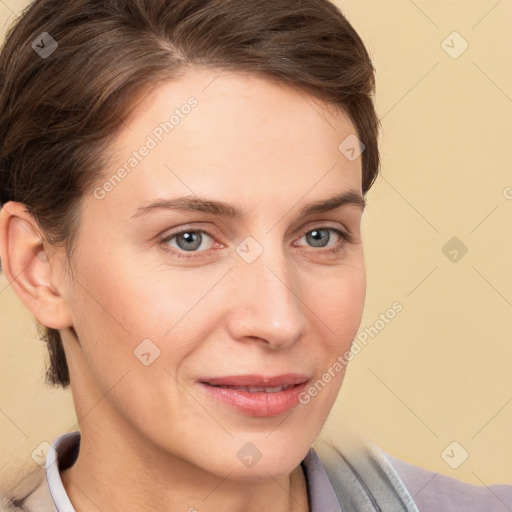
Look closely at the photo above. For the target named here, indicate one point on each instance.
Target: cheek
(350, 305)
(339, 305)
(137, 324)
(336, 329)
(135, 300)
(339, 312)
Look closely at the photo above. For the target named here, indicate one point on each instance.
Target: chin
(258, 459)
(260, 472)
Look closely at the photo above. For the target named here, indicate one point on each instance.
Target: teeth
(252, 389)
(274, 390)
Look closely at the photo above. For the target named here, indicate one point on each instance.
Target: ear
(29, 268)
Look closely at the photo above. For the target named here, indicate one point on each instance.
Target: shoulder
(433, 492)
(32, 494)
(359, 468)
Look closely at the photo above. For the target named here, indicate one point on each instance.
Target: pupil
(192, 240)
(316, 236)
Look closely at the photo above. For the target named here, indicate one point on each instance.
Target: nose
(267, 303)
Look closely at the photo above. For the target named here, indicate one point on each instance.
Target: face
(170, 301)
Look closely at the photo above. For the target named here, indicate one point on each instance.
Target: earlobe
(29, 268)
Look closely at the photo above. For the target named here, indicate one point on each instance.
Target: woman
(183, 186)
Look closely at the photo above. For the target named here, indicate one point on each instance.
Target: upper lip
(256, 380)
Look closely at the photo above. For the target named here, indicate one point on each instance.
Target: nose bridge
(267, 303)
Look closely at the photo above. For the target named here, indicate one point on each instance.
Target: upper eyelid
(309, 227)
(304, 231)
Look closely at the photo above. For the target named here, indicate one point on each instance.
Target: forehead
(230, 135)
(232, 87)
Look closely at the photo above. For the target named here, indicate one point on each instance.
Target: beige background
(441, 370)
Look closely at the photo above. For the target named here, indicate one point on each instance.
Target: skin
(149, 431)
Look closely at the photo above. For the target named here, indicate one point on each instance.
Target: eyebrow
(222, 209)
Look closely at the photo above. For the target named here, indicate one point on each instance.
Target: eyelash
(346, 238)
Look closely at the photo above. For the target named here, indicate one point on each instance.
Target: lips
(256, 395)
(256, 389)
(256, 381)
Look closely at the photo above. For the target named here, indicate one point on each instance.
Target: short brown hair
(57, 114)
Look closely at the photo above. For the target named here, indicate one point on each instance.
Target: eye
(189, 243)
(187, 240)
(321, 236)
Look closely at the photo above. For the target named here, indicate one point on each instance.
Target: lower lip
(258, 404)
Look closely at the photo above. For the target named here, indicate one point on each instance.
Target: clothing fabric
(426, 490)
(435, 492)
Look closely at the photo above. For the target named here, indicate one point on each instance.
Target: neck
(118, 474)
